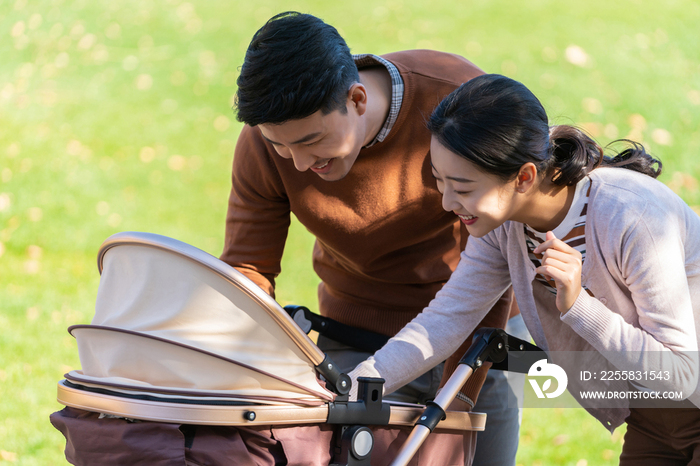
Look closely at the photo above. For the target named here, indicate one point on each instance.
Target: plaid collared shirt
(396, 92)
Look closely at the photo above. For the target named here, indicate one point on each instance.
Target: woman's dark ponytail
(573, 155)
(497, 124)
(634, 158)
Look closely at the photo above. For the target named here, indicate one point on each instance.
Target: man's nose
(303, 160)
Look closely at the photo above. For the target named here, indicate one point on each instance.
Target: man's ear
(357, 98)
(527, 177)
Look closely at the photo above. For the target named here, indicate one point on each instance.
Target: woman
(601, 257)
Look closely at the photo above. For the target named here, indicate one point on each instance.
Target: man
(341, 142)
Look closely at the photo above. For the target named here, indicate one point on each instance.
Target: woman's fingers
(568, 257)
(561, 263)
(559, 272)
(552, 242)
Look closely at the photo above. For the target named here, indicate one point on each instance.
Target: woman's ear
(527, 177)
(357, 97)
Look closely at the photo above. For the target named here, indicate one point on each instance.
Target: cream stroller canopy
(171, 319)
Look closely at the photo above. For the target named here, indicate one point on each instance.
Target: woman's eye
(462, 193)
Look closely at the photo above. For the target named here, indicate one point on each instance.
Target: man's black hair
(295, 66)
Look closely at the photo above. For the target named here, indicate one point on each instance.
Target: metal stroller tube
(489, 345)
(442, 400)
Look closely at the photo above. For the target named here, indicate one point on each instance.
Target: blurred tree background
(116, 115)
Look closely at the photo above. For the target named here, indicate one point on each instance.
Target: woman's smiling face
(482, 201)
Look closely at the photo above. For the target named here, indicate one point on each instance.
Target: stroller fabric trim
(198, 371)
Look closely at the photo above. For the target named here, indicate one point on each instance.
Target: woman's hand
(561, 263)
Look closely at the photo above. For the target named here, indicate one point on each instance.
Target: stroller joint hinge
(339, 382)
(432, 415)
(368, 409)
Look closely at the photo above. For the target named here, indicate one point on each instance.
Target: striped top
(572, 230)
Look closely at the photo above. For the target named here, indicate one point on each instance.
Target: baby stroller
(186, 361)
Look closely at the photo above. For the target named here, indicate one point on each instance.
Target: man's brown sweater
(384, 245)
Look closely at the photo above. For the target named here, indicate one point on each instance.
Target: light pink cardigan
(642, 265)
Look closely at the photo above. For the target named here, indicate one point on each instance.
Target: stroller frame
(151, 403)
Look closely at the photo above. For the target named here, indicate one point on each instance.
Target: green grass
(116, 116)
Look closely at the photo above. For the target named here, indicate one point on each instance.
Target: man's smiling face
(328, 144)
